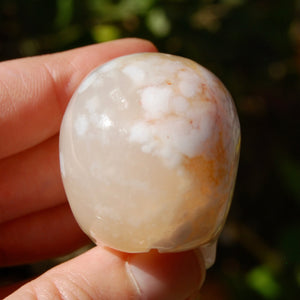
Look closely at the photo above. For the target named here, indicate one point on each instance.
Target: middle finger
(30, 181)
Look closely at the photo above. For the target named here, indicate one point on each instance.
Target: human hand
(35, 220)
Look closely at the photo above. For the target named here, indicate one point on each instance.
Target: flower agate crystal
(149, 148)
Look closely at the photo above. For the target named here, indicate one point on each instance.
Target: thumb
(101, 273)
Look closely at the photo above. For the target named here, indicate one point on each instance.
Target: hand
(35, 220)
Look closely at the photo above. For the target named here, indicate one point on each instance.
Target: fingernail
(141, 280)
(166, 276)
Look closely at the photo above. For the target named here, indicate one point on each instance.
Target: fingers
(30, 181)
(167, 276)
(105, 274)
(34, 92)
(39, 236)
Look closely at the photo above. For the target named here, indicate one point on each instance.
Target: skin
(35, 220)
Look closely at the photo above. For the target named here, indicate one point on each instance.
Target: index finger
(34, 92)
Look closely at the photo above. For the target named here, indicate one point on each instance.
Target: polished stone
(149, 149)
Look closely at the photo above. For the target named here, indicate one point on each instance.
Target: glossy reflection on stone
(149, 149)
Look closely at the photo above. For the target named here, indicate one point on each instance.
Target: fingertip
(102, 273)
(144, 45)
(166, 276)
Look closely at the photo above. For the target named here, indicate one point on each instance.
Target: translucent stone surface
(149, 148)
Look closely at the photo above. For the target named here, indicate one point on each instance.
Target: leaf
(263, 281)
(104, 33)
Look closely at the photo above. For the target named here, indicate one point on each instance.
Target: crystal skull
(149, 149)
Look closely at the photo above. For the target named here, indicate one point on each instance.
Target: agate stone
(149, 148)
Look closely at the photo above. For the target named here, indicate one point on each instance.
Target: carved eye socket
(149, 148)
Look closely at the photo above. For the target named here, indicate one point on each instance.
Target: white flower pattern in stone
(81, 124)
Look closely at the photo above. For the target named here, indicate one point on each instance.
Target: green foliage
(158, 23)
(64, 13)
(104, 33)
(262, 280)
(253, 46)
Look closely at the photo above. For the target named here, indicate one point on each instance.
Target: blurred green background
(254, 48)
